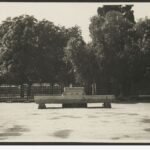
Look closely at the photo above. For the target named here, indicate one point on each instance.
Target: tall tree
(143, 41)
(52, 40)
(113, 38)
(18, 46)
(33, 51)
(82, 59)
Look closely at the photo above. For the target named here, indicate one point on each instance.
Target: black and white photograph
(74, 72)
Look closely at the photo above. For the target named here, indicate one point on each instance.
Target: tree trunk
(22, 91)
(29, 90)
(93, 88)
(52, 88)
(62, 88)
(88, 88)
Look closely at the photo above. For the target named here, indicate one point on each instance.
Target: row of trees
(32, 51)
(116, 61)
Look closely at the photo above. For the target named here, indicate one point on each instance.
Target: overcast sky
(66, 14)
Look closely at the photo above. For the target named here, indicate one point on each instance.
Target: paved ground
(123, 123)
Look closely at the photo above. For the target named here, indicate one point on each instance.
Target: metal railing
(12, 93)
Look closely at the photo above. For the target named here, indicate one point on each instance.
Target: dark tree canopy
(126, 11)
(113, 38)
(116, 61)
(33, 51)
(18, 44)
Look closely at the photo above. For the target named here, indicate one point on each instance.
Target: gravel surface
(23, 122)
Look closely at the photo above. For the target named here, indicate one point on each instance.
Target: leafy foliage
(18, 44)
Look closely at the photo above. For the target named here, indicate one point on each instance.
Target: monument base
(74, 105)
(42, 106)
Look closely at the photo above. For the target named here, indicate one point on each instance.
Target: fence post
(52, 89)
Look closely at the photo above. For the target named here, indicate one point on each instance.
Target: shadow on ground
(147, 129)
(145, 120)
(62, 133)
(16, 130)
(54, 108)
(75, 107)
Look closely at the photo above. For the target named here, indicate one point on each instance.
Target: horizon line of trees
(116, 61)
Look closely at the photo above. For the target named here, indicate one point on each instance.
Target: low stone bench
(74, 101)
(74, 97)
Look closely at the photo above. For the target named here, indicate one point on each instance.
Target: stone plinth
(73, 91)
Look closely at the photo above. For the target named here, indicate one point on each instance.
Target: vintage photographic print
(74, 72)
